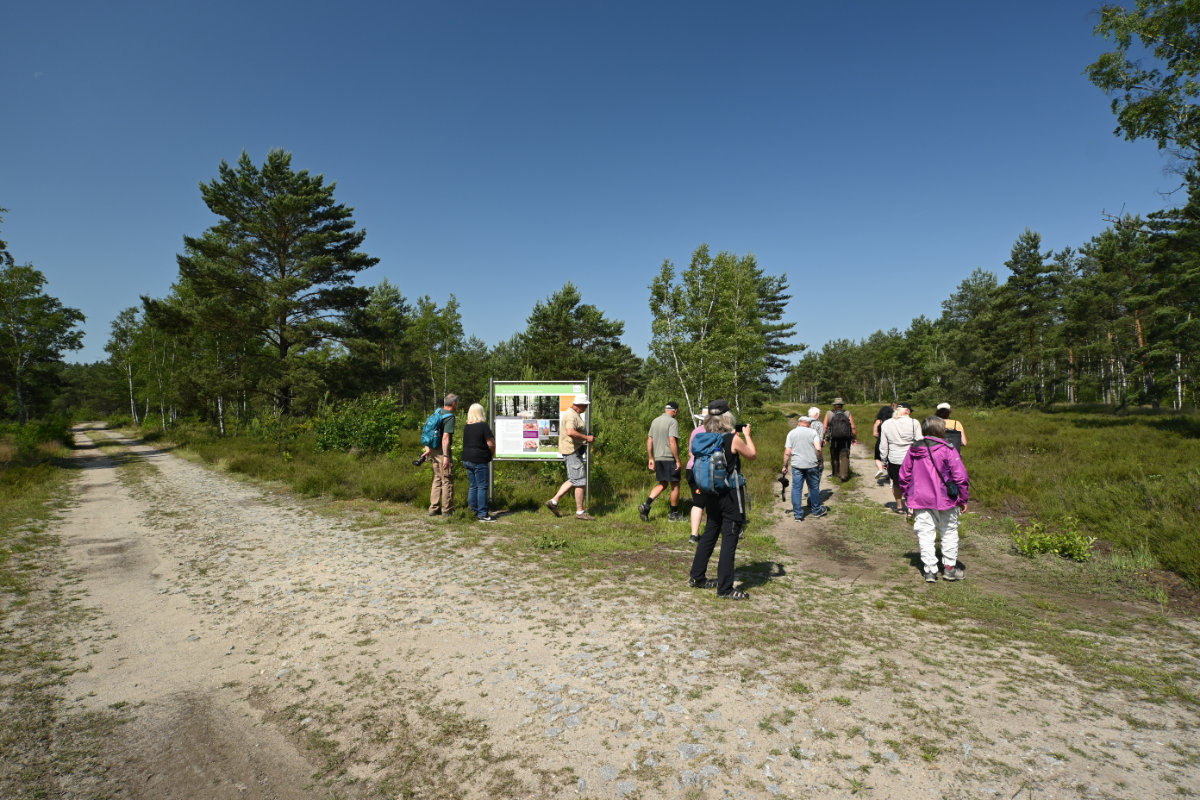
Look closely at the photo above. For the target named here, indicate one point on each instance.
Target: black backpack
(839, 426)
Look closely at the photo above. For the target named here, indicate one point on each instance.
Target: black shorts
(894, 474)
(666, 471)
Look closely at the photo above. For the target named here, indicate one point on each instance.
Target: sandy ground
(260, 650)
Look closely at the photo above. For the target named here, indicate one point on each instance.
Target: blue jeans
(477, 476)
(811, 476)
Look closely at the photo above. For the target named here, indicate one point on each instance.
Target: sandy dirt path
(260, 650)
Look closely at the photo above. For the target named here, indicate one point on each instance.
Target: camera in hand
(421, 460)
(737, 426)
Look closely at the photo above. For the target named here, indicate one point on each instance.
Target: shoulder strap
(934, 466)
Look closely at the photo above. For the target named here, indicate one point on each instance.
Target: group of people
(928, 478)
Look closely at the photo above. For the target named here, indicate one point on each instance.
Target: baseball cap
(582, 400)
(804, 419)
(940, 406)
(904, 405)
(673, 405)
(718, 406)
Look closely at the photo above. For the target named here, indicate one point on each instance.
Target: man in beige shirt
(573, 440)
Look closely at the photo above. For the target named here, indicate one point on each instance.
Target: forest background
(266, 337)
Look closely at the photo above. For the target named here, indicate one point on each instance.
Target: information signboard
(527, 417)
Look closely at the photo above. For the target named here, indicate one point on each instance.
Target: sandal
(736, 594)
(703, 583)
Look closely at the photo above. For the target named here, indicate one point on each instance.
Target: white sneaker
(881, 474)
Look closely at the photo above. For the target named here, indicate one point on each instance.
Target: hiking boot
(585, 516)
(674, 516)
(435, 513)
(644, 512)
(694, 539)
(553, 506)
(931, 576)
(954, 573)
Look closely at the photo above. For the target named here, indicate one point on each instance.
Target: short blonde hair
(475, 414)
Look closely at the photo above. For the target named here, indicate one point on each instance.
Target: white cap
(582, 400)
(940, 406)
(804, 419)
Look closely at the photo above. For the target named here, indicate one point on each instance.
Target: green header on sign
(555, 387)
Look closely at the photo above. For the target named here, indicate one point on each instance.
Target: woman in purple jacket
(929, 469)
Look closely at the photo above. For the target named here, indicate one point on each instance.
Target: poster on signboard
(527, 416)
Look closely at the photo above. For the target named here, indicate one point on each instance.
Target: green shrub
(1034, 538)
(370, 424)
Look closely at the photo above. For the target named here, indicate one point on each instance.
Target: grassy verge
(44, 748)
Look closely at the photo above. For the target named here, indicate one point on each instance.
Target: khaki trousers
(441, 496)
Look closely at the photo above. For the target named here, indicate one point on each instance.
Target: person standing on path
(441, 495)
(840, 432)
(572, 444)
(897, 435)
(662, 448)
(935, 483)
(726, 510)
(479, 448)
(956, 435)
(697, 512)
(885, 413)
(802, 454)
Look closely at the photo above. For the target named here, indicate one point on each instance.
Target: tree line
(265, 321)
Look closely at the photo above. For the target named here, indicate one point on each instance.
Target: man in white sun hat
(573, 440)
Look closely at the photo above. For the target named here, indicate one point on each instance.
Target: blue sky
(875, 152)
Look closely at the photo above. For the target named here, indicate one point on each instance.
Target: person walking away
(441, 495)
(840, 432)
(802, 453)
(572, 444)
(697, 512)
(818, 428)
(935, 482)
(956, 435)
(479, 448)
(662, 448)
(897, 435)
(726, 509)
(885, 413)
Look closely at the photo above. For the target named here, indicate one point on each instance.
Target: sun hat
(582, 400)
(837, 401)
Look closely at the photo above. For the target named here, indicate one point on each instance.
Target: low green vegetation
(1034, 539)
